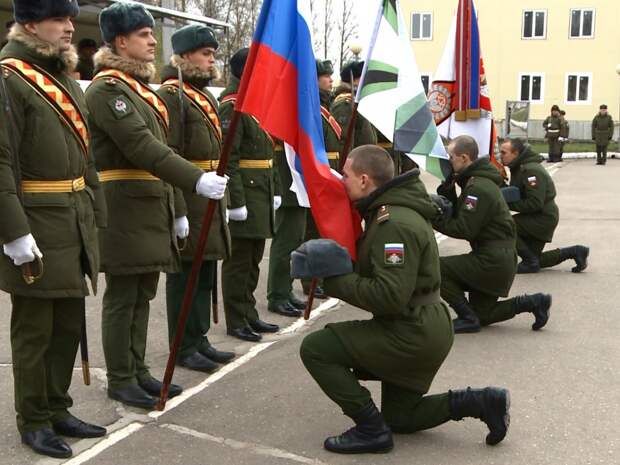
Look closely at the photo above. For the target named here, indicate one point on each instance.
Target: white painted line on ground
(106, 443)
(317, 312)
(257, 449)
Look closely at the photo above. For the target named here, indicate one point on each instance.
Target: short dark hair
(374, 161)
(516, 144)
(467, 145)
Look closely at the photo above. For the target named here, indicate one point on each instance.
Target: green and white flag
(391, 95)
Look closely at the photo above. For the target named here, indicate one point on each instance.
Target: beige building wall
(507, 55)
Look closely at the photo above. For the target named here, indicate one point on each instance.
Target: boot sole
(538, 326)
(505, 418)
(384, 450)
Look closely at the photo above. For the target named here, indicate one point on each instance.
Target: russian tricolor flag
(279, 87)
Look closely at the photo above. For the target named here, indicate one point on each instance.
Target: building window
(579, 88)
(534, 24)
(581, 24)
(531, 87)
(421, 26)
(426, 81)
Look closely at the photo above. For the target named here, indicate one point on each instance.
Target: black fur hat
(355, 67)
(33, 11)
(193, 37)
(123, 18)
(237, 62)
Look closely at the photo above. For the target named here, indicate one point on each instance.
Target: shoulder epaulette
(470, 182)
(383, 215)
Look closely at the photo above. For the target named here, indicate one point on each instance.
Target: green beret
(324, 68)
(193, 37)
(355, 67)
(122, 18)
(33, 11)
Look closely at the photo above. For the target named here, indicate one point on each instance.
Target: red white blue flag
(279, 87)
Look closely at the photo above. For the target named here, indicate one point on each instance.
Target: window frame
(531, 75)
(579, 74)
(570, 23)
(421, 13)
(534, 11)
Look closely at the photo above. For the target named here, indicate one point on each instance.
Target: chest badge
(394, 254)
(471, 201)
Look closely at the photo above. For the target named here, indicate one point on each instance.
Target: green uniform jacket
(333, 142)
(364, 132)
(195, 139)
(251, 187)
(538, 213)
(481, 216)
(126, 134)
(564, 128)
(398, 263)
(602, 129)
(63, 224)
(552, 125)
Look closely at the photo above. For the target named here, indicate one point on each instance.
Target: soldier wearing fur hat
(602, 133)
(553, 127)
(253, 183)
(130, 124)
(196, 135)
(396, 278)
(50, 208)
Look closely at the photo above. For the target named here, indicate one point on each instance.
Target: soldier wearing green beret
(130, 125)
(51, 205)
(602, 133)
(196, 135)
(253, 185)
(396, 278)
(537, 213)
(482, 218)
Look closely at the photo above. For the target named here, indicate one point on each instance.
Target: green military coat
(364, 132)
(481, 217)
(553, 127)
(140, 236)
(63, 224)
(538, 214)
(407, 339)
(252, 187)
(602, 129)
(196, 138)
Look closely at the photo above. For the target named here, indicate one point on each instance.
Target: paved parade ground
(264, 408)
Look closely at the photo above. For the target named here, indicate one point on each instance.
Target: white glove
(211, 185)
(277, 202)
(22, 250)
(238, 214)
(181, 227)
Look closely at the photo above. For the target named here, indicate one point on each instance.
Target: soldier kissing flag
(280, 89)
(391, 95)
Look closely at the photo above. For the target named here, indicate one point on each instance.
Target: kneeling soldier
(396, 278)
(482, 218)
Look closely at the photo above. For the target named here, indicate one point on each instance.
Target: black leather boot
(75, 428)
(370, 434)
(490, 405)
(46, 442)
(579, 253)
(529, 262)
(538, 305)
(467, 320)
(219, 356)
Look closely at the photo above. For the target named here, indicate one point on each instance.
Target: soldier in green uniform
(537, 213)
(50, 205)
(553, 126)
(195, 134)
(342, 109)
(564, 133)
(85, 65)
(333, 137)
(130, 122)
(396, 278)
(482, 218)
(251, 212)
(602, 132)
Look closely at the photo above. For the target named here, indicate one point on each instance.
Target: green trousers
(601, 153)
(338, 375)
(124, 326)
(547, 259)
(199, 318)
(240, 275)
(290, 231)
(45, 334)
(488, 307)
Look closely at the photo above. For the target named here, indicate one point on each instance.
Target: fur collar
(191, 72)
(106, 58)
(67, 61)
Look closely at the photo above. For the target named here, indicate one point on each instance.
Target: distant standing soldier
(251, 212)
(50, 201)
(553, 126)
(602, 132)
(196, 135)
(537, 213)
(86, 66)
(564, 132)
(130, 123)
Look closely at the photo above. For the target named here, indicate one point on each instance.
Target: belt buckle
(75, 185)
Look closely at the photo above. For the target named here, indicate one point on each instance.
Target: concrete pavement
(265, 409)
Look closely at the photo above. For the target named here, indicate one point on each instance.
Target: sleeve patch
(394, 254)
(471, 201)
(532, 181)
(121, 107)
